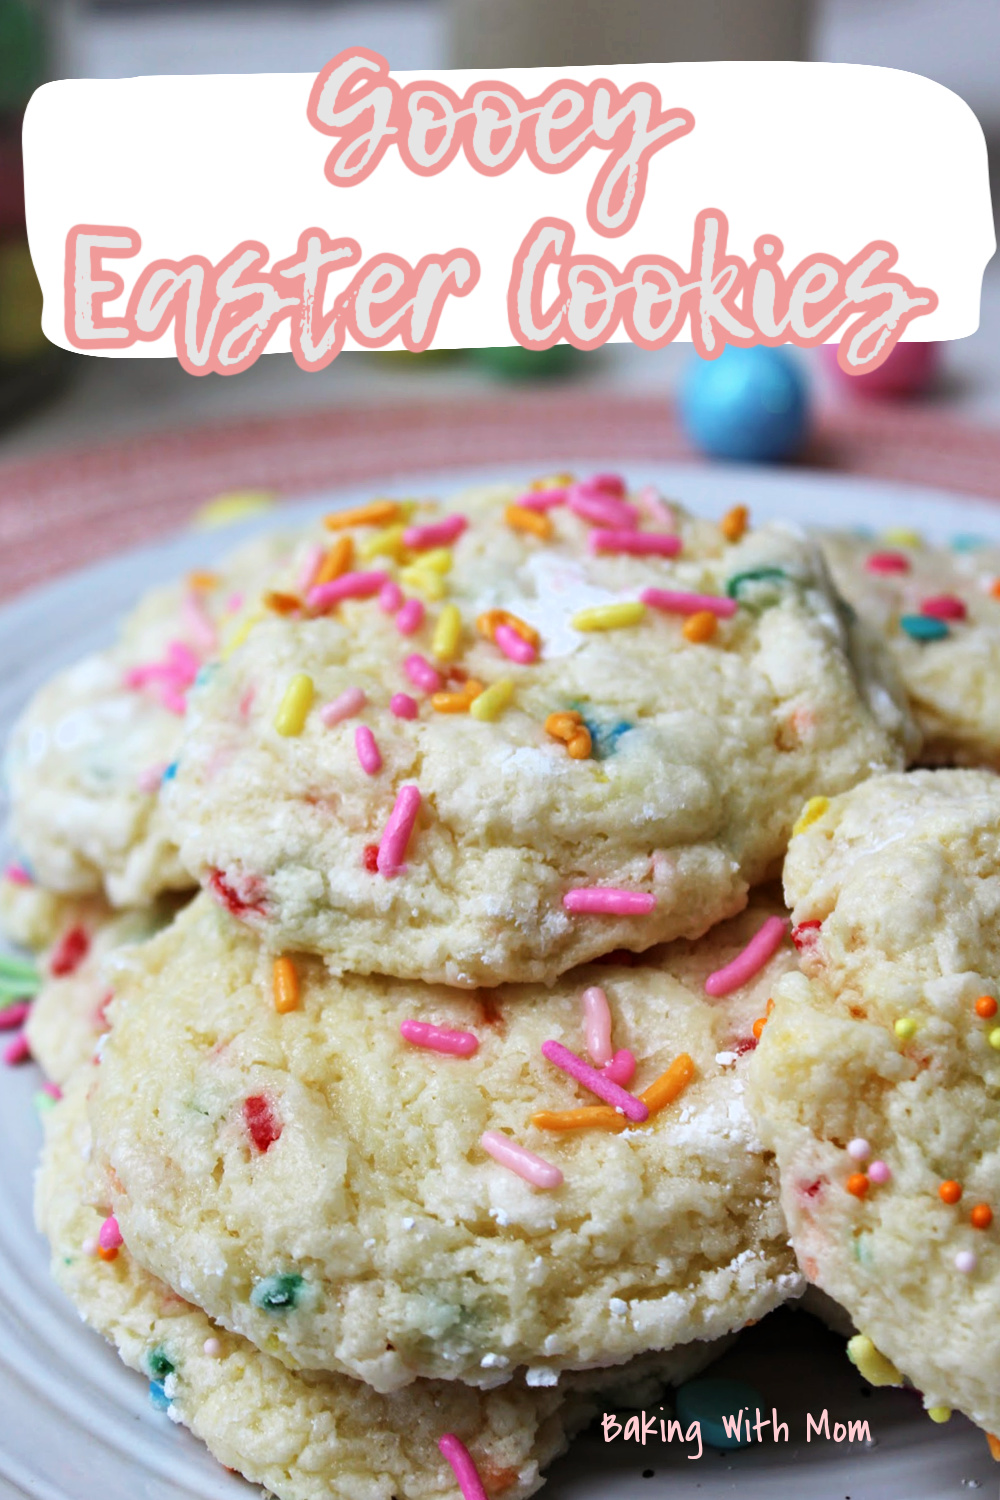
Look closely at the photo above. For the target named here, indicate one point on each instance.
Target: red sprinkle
(17, 1051)
(944, 607)
(70, 951)
(262, 1126)
(235, 904)
(371, 858)
(888, 562)
(805, 933)
(743, 1044)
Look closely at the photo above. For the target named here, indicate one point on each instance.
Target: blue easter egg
(749, 404)
(708, 1401)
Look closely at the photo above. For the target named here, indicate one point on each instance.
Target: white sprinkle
(89, 1246)
(494, 1362)
(726, 1059)
(965, 1261)
(369, 1244)
(539, 1375)
(212, 1348)
(618, 1307)
(408, 1223)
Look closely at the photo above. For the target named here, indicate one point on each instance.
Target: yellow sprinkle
(871, 1362)
(939, 1413)
(995, 1038)
(295, 705)
(235, 505)
(905, 1028)
(378, 513)
(899, 536)
(385, 543)
(438, 559)
(491, 703)
(552, 482)
(609, 616)
(240, 633)
(811, 813)
(447, 633)
(286, 986)
(424, 581)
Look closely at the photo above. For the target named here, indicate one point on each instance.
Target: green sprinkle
(158, 1363)
(42, 1101)
(278, 1294)
(18, 970)
(923, 627)
(736, 584)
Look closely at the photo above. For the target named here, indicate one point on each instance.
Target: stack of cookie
(425, 1119)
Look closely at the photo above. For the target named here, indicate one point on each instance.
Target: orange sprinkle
(981, 1216)
(201, 581)
(378, 513)
(665, 1089)
(950, 1192)
(286, 986)
(994, 1443)
(758, 1026)
(699, 627)
(734, 523)
(569, 729)
(282, 604)
(986, 1007)
(460, 702)
(336, 562)
(107, 1254)
(995, 588)
(661, 1092)
(857, 1184)
(487, 623)
(521, 519)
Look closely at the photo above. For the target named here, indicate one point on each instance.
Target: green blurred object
(23, 53)
(512, 362)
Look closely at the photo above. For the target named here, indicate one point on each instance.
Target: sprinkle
(109, 1236)
(601, 509)
(700, 627)
(660, 1093)
(944, 607)
(52, 1091)
(17, 875)
(18, 972)
(370, 858)
(541, 500)
(811, 813)
(385, 543)
(392, 848)
(879, 1172)
(597, 1082)
(348, 586)
(923, 628)
(89, 1245)
(887, 562)
(762, 946)
(734, 523)
(530, 519)
(438, 560)
(981, 1216)
(368, 753)
(390, 597)
(593, 900)
(295, 706)
(665, 1089)
(403, 706)
(420, 672)
(278, 1294)
(286, 985)
(240, 633)
(621, 1068)
(607, 484)
(16, 1051)
(965, 1262)
(636, 543)
(871, 1362)
(437, 534)
(520, 1160)
(459, 702)
(986, 1007)
(335, 563)
(150, 779)
(513, 646)
(656, 507)
(994, 1039)
(310, 566)
(70, 952)
(232, 506)
(735, 585)
(348, 703)
(857, 1184)
(678, 602)
(447, 633)
(939, 1413)
(492, 701)
(12, 1016)
(902, 536)
(410, 617)
(805, 933)
(201, 579)
(439, 1038)
(905, 1028)
(950, 1191)
(197, 623)
(466, 1473)
(859, 1149)
(212, 1348)
(597, 1025)
(378, 513)
(609, 616)
(490, 619)
(281, 604)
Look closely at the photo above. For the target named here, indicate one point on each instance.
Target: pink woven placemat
(61, 512)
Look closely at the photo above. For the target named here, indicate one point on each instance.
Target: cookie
(878, 1072)
(940, 616)
(340, 791)
(320, 1185)
(300, 1436)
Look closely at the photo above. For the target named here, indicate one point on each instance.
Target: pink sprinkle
(17, 1051)
(234, 604)
(636, 543)
(887, 562)
(677, 602)
(390, 596)
(437, 534)
(621, 1068)
(149, 780)
(601, 509)
(597, 1025)
(879, 1172)
(745, 965)
(598, 1083)
(346, 704)
(944, 607)
(392, 848)
(109, 1236)
(599, 900)
(18, 875)
(410, 617)
(403, 706)
(541, 499)
(608, 484)
(183, 662)
(420, 672)
(368, 752)
(656, 507)
(174, 701)
(52, 1090)
(466, 1473)
(347, 586)
(439, 1038)
(514, 646)
(520, 1160)
(310, 567)
(13, 1016)
(198, 624)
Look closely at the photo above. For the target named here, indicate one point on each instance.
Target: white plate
(74, 1424)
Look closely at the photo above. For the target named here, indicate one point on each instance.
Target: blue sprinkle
(923, 627)
(158, 1396)
(708, 1401)
(170, 772)
(603, 737)
(967, 541)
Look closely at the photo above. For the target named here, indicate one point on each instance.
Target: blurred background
(52, 403)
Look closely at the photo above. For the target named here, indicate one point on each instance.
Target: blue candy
(708, 1401)
(749, 404)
